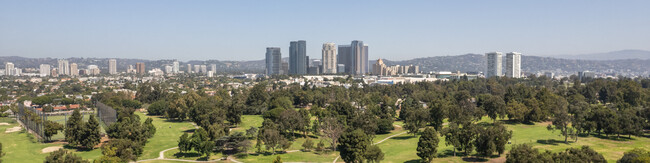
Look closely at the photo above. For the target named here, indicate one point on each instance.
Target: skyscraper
(513, 65)
(298, 57)
(345, 57)
(189, 68)
(74, 71)
(9, 69)
(494, 64)
(139, 68)
(213, 68)
(175, 67)
(273, 61)
(112, 66)
(329, 58)
(360, 53)
(64, 67)
(45, 69)
(204, 69)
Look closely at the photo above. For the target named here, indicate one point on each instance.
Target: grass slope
(167, 134)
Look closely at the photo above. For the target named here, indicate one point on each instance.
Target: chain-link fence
(32, 119)
(106, 114)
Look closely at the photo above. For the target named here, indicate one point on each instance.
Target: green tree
(149, 128)
(374, 154)
(62, 156)
(517, 111)
(277, 159)
(308, 145)
(91, 133)
(74, 128)
(353, 145)
(51, 129)
(428, 145)
(125, 149)
(158, 108)
(637, 155)
(494, 106)
(184, 143)
(109, 155)
(526, 153)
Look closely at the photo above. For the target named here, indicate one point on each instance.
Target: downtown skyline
(396, 30)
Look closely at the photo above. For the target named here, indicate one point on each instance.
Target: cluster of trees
(63, 156)
(637, 155)
(128, 137)
(525, 153)
(77, 132)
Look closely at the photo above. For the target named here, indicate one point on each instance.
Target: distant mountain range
(626, 62)
(530, 64)
(615, 55)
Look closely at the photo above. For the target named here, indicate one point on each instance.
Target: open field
(167, 134)
(23, 147)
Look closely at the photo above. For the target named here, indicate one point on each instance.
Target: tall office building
(175, 67)
(45, 69)
(204, 69)
(298, 57)
(494, 64)
(9, 69)
(360, 53)
(329, 58)
(74, 70)
(189, 68)
(64, 67)
(112, 66)
(513, 65)
(213, 68)
(197, 69)
(273, 61)
(139, 68)
(169, 69)
(345, 58)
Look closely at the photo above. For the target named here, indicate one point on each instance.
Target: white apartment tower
(513, 65)
(329, 58)
(74, 71)
(64, 67)
(494, 64)
(112, 66)
(9, 69)
(45, 69)
(175, 67)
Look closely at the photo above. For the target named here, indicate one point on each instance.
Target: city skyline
(397, 30)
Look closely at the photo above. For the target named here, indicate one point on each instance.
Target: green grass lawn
(175, 154)
(249, 121)
(22, 147)
(167, 134)
(403, 148)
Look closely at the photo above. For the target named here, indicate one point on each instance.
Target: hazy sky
(241, 30)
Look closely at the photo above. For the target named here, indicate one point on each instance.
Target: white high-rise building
(45, 69)
(189, 68)
(175, 67)
(112, 66)
(169, 69)
(513, 65)
(329, 58)
(213, 68)
(74, 71)
(494, 64)
(197, 68)
(9, 69)
(204, 69)
(64, 67)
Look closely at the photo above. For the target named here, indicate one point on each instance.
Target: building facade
(44, 69)
(346, 58)
(9, 69)
(298, 57)
(360, 53)
(329, 58)
(64, 67)
(273, 61)
(513, 65)
(139, 68)
(74, 70)
(494, 64)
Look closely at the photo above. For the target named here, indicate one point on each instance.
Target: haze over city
(241, 30)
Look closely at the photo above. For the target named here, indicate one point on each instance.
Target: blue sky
(240, 30)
